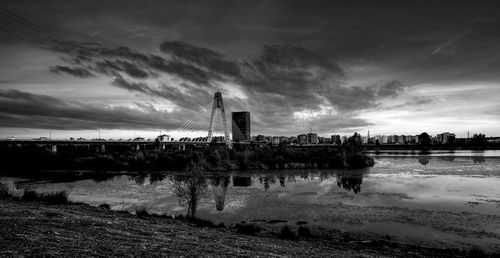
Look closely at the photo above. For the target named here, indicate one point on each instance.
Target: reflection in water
(219, 186)
(242, 181)
(424, 160)
(350, 181)
(193, 185)
(478, 159)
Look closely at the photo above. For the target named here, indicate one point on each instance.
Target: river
(442, 198)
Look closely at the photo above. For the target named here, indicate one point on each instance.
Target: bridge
(201, 122)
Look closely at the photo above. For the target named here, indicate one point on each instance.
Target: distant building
(241, 126)
(312, 138)
(163, 138)
(301, 139)
(445, 138)
(336, 139)
(412, 139)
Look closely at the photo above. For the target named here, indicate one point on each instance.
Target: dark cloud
(75, 71)
(283, 55)
(27, 110)
(283, 78)
(391, 89)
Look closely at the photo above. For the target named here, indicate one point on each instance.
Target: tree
(377, 143)
(190, 188)
(479, 139)
(424, 139)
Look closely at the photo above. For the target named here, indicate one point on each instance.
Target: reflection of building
(219, 186)
(242, 181)
(241, 126)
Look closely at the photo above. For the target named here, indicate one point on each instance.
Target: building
(241, 126)
(302, 139)
(163, 138)
(412, 138)
(312, 138)
(336, 139)
(445, 138)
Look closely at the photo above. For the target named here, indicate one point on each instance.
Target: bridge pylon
(218, 104)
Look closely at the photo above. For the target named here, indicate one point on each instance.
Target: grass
(60, 197)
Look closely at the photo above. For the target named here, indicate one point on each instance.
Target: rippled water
(445, 197)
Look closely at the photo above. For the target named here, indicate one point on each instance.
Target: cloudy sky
(134, 68)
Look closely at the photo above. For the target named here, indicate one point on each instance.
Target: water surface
(450, 198)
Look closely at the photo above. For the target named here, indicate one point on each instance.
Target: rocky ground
(38, 229)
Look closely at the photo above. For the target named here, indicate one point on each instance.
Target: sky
(121, 69)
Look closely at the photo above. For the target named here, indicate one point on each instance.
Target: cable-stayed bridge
(207, 122)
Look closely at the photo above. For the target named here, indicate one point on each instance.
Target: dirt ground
(38, 229)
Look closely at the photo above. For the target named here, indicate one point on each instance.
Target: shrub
(287, 233)
(476, 253)
(31, 196)
(8, 189)
(304, 232)
(60, 197)
(247, 229)
(104, 206)
(141, 212)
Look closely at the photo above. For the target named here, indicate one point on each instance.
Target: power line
(28, 23)
(17, 36)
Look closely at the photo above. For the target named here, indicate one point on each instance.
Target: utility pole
(50, 135)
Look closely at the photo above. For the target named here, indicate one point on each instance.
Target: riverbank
(211, 158)
(39, 229)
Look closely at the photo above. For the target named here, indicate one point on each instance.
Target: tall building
(241, 126)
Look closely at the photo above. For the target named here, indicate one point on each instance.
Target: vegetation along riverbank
(208, 158)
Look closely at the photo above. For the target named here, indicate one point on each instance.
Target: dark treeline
(209, 158)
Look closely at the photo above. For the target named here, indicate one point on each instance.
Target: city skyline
(141, 68)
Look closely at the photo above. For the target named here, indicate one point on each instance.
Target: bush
(56, 197)
(141, 212)
(60, 197)
(8, 189)
(304, 232)
(247, 229)
(104, 206)
(287, 233)
(477, 253)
